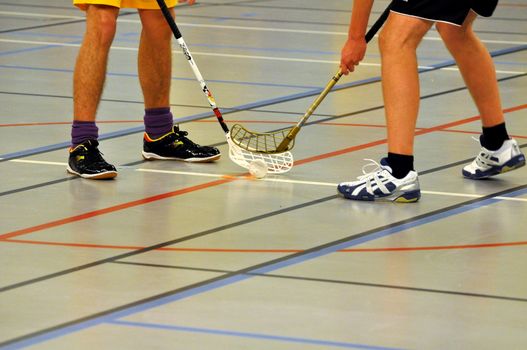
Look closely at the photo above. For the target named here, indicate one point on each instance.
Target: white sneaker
(490, 163)
(380, 184)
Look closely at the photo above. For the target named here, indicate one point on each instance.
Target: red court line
(114, 208)
(220, 250)
(224, 180)
(418, 132)
(247, 122)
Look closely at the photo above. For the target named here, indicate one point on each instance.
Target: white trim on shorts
(433, 20)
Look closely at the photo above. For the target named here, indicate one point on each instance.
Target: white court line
(260, 29)
(268, 58)
(266, 179)
(40, 162)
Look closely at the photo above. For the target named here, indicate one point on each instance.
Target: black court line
(90, 265)
(347, 11)
(55, 24)
(205, 233)
(121, 14)
(244, 271)
(69, 97)
(240, 3)
(14, 93)
(443, 167)
(290, 98)
(38, 6)
(41, 26)
(333, 24)
(454, 164)
(376, 108)
(170, 242)
(61, 180)
(180, 6)
(331, 281)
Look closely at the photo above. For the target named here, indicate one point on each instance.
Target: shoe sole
(153, 156)
(405, 197)
(512, 164)
(101, 176)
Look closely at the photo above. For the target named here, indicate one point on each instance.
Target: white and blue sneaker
(490, 163)
(380, 184)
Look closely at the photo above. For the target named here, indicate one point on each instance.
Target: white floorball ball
(258, 168)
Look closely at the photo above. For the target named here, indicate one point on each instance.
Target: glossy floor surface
(173, 255)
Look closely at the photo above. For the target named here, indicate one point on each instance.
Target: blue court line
(48, 35)
(242, 275)
(251, 335)
(123, 38)
(133, 75)
(30, 49)
(257, 104)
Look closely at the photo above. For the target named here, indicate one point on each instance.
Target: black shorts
(449, 11)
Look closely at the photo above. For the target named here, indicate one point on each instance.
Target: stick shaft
(291, 135)
(190, 59)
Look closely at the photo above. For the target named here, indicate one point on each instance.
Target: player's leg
(499, 153)
(394, 178)
(88, 81)
(162, 140)
(398, 43)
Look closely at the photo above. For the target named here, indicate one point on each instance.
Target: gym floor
(171, 255)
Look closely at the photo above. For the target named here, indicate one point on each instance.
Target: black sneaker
(176, 146)
(86, 161)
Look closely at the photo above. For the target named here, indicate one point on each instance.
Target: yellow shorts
(136, 4)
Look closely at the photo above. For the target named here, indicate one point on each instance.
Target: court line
(249, 335)
(168, 243)
(245, 176)
(222, 181)
(114, 208)
(270, 21)
(133, 75)
(79, 20)
(258, 104)
(50, 44)
(262, 268)
(237, 27)
(417, 133)
(273, 251)
(318, 9)
(423, 172)
(332, 281)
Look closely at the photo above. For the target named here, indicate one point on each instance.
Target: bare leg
(155, 59)
(477, 68)
(90, 67)
(400, 80)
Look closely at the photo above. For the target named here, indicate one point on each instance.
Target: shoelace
(373, 165)
(372, 177)
(181, 136)
(95, 156)
(483, 158)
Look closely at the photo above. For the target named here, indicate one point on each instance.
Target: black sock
(493, 137)
(401, 164)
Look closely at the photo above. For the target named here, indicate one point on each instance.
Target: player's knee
(157, 31)
(391, 41)
(453, 35)
(103, 23)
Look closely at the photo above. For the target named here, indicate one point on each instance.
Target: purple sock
(158, 121)
(83, 131)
